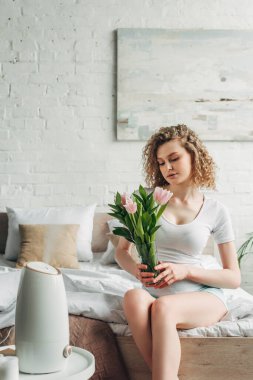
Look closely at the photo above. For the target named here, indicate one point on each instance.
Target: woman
(185, 294)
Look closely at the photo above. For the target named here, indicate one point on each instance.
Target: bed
(97, 322)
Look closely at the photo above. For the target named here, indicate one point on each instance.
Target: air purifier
(42, 327)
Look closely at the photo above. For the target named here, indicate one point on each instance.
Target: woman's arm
(228, 277)
(124, 258)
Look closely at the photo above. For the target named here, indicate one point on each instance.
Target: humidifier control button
(67, 351)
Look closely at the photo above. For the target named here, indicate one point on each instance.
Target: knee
(133, 300)
(164, 308)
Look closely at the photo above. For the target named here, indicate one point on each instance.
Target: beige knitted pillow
(54, 244)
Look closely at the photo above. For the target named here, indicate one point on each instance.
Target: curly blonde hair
(203, 166)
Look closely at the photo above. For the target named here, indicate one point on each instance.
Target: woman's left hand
(169, 273)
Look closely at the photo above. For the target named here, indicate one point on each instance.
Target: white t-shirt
(184, 243)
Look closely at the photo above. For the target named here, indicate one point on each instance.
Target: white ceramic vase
(42, 327)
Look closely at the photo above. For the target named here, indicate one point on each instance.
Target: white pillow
(109, 255)
(51, 215)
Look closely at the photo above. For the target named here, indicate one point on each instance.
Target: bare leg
(178, 311)
(137, 308)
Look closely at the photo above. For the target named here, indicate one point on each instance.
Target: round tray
(80, 366)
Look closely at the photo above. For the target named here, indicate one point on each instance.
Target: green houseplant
(245, 248)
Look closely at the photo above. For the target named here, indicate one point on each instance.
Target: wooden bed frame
(202, 359)
(220, 358)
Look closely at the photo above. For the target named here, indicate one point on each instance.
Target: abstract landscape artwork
(202, 78)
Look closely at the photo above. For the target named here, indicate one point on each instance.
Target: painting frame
(198, 77)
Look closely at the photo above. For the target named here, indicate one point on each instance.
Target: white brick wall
(58, 101)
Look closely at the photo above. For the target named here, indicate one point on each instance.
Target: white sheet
(97, 291)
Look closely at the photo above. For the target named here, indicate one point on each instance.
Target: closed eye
(175, 159)
(162, 163)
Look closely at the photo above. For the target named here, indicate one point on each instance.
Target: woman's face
(174, 162)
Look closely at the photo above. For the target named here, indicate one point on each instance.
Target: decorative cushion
(100, 228)
(54, 244)
(52, 215)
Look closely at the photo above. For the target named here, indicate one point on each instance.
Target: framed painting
(202, 78)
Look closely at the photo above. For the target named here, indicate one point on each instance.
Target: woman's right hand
(146, 278)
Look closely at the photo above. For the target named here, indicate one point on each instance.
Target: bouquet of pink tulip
(139, 213)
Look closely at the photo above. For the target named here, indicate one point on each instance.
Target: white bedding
(96, 291)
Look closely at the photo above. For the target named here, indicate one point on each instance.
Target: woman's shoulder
(215, 204)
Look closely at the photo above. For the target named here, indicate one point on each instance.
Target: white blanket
(96, 291)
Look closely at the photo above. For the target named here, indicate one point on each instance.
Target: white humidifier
(42, 327)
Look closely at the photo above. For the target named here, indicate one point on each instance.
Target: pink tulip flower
(130, 206)
(162, 196)
(124, 198)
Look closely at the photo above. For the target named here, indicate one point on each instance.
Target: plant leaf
(121, 231)
(161, 210)
(143, 192)
(137, 197)
(118, 199)
(245, 249)
(154, 230)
